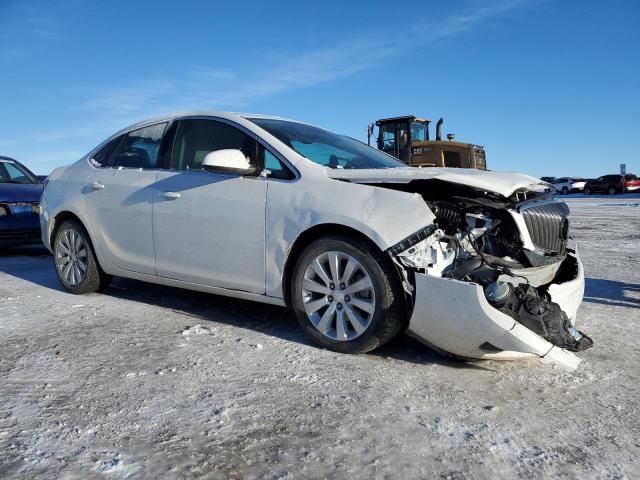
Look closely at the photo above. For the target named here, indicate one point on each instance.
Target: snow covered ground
(147, 381)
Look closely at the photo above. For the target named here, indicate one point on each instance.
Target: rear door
(209, 227)
(118, 198)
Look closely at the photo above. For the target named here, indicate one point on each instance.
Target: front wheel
(587, 191)
(75, 260)
(347, 295)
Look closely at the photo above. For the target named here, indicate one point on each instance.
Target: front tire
(75, 260)
(587, 190)
(347, 295)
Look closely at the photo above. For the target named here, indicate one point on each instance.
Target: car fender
(383, 215)
(64, 194)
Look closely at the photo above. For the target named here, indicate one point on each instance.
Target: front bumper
(21, 229)
(455, 316)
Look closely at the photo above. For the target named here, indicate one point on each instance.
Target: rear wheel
(612, 191)
(587, 190)
(565, 190)
(75, 260)
(347, 295)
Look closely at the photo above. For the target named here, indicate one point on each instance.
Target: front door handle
(171, 195)
(97, 185)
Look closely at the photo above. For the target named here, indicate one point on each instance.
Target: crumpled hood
(502, 183)
(13, 192)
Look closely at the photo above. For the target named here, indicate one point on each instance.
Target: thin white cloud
(205, 87)
(209, 88)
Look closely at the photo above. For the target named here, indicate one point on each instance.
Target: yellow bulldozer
(407, 139)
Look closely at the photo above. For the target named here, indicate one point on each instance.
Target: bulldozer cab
(395, 135)
(407, 139)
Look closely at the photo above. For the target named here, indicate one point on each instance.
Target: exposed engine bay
(515, 248)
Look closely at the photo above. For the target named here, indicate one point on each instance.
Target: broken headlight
(424, 250)
(414, 239)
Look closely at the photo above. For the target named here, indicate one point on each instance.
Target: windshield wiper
(14, 181)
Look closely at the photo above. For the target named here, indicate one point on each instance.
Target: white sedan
(567, 185)
(473, 263)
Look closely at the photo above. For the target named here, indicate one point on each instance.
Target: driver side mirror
(229, 161)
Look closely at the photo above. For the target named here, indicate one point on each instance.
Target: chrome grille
(548, 225)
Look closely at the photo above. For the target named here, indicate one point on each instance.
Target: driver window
(198, 137)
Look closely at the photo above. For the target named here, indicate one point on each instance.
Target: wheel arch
(59, 219)
(65, 215)
(305, 239)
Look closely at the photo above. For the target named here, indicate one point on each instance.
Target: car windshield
(12, 172)
(326, 148)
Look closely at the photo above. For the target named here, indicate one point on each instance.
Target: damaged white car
(476, 264)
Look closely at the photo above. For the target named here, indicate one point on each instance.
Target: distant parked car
(548, 179)
(612, 184)
(631, 183)
(569, 184)
(20, 192)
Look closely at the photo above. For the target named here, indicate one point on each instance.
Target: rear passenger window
(102, 156)
(139, 148)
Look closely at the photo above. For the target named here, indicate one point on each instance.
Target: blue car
(20, 192)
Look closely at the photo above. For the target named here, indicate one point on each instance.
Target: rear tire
(612, 191)
(75, 260)
(565, 190)
(354, 307)
(587, 191)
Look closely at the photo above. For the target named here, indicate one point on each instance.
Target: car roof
(207, 113)
(235, 116)
(238, 118)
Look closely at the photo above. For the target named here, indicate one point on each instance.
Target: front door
(209, 227)
(118, 196)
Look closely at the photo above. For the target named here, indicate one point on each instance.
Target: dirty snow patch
(197, 330)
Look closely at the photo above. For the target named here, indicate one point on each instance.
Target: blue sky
(548, 87)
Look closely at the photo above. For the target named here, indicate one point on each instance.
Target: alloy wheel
(71, 257)
(338, 296)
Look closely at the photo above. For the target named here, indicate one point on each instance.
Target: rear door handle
(171, 195)
(97, 185)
